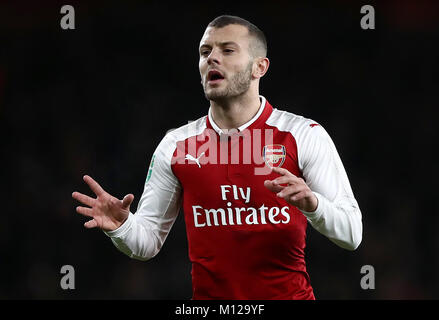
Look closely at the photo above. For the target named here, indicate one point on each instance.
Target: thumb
(127, 200)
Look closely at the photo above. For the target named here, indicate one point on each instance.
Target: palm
(108, 212)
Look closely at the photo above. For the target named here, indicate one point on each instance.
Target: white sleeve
(142, 235)
(338, 215)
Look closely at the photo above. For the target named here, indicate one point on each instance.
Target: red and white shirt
(244, 241)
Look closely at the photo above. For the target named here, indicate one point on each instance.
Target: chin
(216, 97)
(215, 94)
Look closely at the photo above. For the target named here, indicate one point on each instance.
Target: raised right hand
(108, 212)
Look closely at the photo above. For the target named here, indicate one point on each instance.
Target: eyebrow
(221, 44)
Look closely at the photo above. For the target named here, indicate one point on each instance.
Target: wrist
(313, 203)
(320, 208)
(122, 228)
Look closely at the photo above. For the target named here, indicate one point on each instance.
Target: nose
(213, 57)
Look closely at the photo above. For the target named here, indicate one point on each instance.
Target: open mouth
(214, 76)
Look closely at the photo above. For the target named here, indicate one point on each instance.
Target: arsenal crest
(274, 155)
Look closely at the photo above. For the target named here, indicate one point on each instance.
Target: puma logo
(196, 160)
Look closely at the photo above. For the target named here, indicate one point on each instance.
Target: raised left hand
(293, 189)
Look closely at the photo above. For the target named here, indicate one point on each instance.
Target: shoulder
(310, 136)
(168, 144)
(186, 131)
(314, 144)
(297, 125)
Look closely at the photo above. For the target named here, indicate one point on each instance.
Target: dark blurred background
(98, 99)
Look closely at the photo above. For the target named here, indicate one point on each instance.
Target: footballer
(248, 176)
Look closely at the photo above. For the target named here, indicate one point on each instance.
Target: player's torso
(238, 231)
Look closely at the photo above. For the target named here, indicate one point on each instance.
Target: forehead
(230, 33)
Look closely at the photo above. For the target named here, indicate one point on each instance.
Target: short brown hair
(259, 46)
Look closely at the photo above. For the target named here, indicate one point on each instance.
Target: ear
(260, 67)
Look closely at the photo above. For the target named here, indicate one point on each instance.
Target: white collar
(245, 125)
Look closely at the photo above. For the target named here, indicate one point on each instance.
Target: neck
(234, 112)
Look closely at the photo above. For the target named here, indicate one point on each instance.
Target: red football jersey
(244, 241)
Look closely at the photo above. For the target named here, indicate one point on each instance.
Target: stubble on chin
(216, 94)
(238, 85)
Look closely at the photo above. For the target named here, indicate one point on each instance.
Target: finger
(282, 171)
(272, 187)
(290, 191)
(85, 211)
(91, 224)
(298, 196)
(127, 200)
(284, 180)
(84, 199)
(94, 186)
(285, 173)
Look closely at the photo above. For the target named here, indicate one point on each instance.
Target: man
(249, 177)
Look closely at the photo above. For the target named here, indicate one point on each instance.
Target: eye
(228, 50)
(205, 53)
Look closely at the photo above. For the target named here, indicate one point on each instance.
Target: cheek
(240, 64)
(202, 66)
